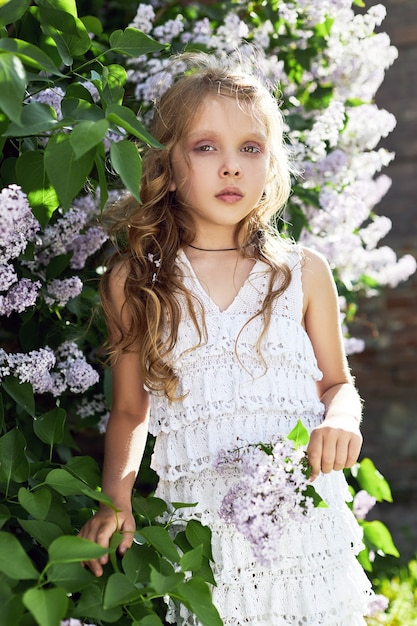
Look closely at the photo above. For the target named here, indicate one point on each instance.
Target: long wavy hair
(149, 234)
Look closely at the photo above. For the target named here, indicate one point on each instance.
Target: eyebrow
(255, 135)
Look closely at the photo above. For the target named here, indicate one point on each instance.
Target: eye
(252, 149)
(204, 148)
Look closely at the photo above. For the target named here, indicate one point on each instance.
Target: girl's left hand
(334, 445)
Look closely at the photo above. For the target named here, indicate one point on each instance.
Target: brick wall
(386, 372)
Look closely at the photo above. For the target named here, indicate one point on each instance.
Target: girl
(224, 332)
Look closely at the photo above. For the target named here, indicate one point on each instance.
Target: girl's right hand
(100, 529)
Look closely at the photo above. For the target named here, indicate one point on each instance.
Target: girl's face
(221, 166)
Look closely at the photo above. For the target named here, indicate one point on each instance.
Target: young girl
(225, 333)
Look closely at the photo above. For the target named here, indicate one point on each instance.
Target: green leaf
(102, 180)
(14, 465)
(22, 394)
(32, 177)
(197, 595)
(164, 584)
(1, 413)
(137, 561)
(70, 576)
(370, 479)
(14, 561)
(119, 591)
(41, 531)
(37, 118)
(79, 110)
(160, 539)
(318, 502)
(69, 180)
(197, 534)
(134, 43)
(68, 32)
(150, 507)
(148, 620)
(87, 135)
(12, 11)
(192, 561)
(378, 535)
(48, 606)
(126, 160)
(124, 117)
(13, 86)
(299, 435)
(71, 549)
(50, 426)
(29, 54)
(91, 605)
(68, 6)
(57, 265)
(85, 468)
(4, 515)
(67, 485)
(37, 503)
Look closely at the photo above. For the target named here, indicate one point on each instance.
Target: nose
(231, 167)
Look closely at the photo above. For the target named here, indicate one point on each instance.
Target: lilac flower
(7, 276)
(269, 494)
(17, 224)
(57, 238)
(144, 18)
(60, 291)
(170, 30)
(73, 369)
(85, 245)
(74, 622)
(378, 604)
(51, 97)
(363, 502)
(33, 367)
(21, 296)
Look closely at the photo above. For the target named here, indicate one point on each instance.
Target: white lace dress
(316, 579)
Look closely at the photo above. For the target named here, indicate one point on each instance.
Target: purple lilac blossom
(7, 276)
(268, 495)
(74, 622)
(59, 291)
(85, 245)
(17, 224)
(21, 295)
(52, 97)
(57, 238)
(378, 604)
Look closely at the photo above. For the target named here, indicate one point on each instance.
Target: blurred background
(386, 372)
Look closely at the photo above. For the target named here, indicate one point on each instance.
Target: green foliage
(401, 591)
(55, 43)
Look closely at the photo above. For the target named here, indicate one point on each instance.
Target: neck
(211, 249)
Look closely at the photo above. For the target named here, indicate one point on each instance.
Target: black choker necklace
(211, 249)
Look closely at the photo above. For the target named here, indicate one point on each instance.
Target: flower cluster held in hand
(273, 491)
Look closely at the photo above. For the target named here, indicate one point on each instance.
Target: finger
(354, 451)
(314, 454)
(341, 455)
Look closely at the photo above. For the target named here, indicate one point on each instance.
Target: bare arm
(124, 446)
(337, 442)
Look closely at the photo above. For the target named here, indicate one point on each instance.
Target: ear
(173, 185)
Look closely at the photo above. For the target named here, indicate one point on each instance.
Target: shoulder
(317, 278)
(114, 282)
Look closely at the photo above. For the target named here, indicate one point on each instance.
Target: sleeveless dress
(234, 397)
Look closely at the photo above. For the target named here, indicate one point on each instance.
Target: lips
(229, 194)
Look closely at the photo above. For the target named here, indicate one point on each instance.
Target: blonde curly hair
(150, 234)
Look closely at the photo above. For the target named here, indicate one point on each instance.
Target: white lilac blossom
(269, 494)
(363, 502)
(21, 296)
(92, 407)
(59, 291)
(144, 18)
(58, 237)
(168, 31)
(33, 367)
(17, 224)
